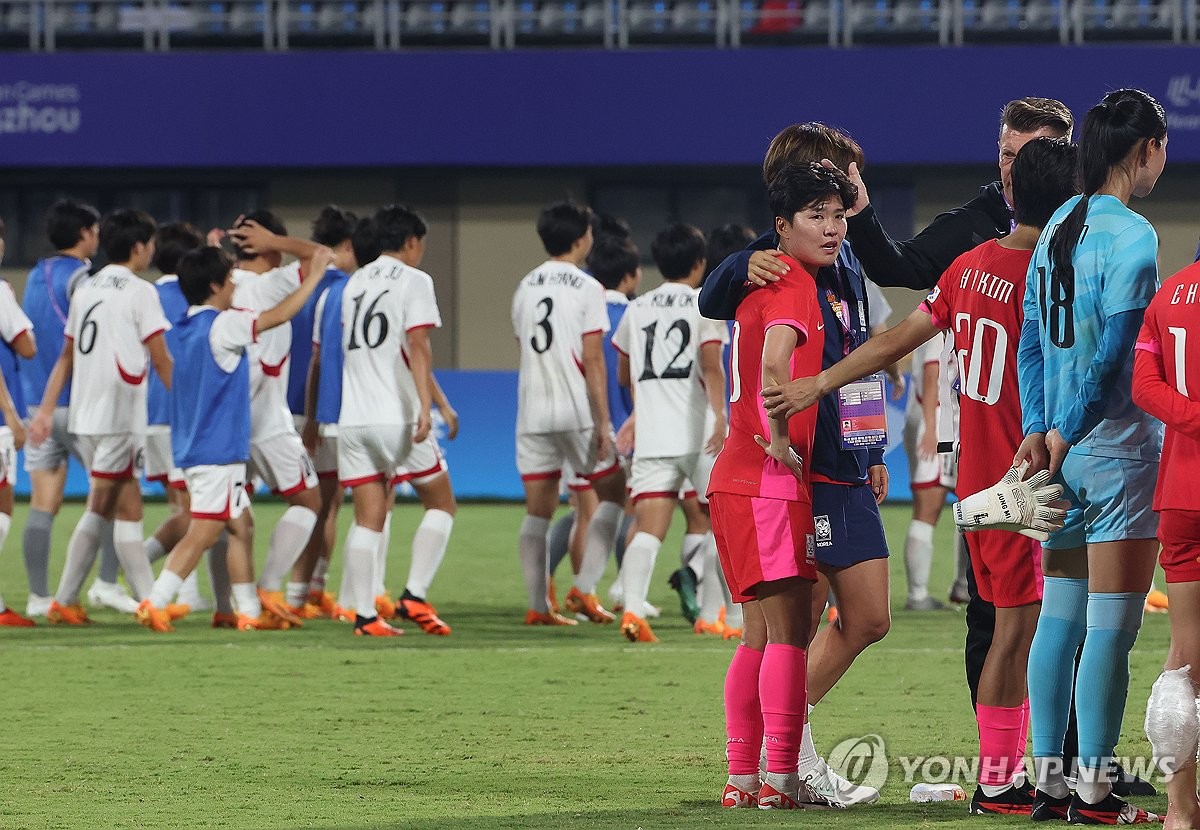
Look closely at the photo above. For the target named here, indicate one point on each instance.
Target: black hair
(365, 242)
(333, 226)
(199, 270)
(562, 224)
(265, 218)
(172, 241)
(121, 229)
(611, 259)
(395, 224)
(677, 250)
(726, 240)
(801, 184)
(1125, 119)
(66, 221)
(605, 225)
(1043, 177)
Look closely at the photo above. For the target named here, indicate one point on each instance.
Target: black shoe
(1048, 808)
(1111, 810)
(1126, 784)
(1015, 801)
(684, 581)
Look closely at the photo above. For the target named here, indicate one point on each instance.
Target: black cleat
(1048, 808)
(1126, 784)
(1111, 810)
(684, 582)
(1015, 801)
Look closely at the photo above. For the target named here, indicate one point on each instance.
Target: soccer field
(497, 726)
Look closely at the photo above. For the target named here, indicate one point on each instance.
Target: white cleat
(37, 606)
(111, 595)
(652, 612)
(831, 787)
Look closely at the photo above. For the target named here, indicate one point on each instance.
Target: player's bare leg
(1183, 808)
(585, 503)
(928, 503)
(181, 562)
(653, 521)
(601, 534)
(541, 498)
(863, 618)
(428, 549)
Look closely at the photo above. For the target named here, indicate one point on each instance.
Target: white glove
(1016, 505)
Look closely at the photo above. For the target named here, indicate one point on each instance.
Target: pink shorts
(762, 540)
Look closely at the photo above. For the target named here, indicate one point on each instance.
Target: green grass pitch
(497, 726)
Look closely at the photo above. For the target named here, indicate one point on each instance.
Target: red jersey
(1166, 383)
(979, 301)
(743, 467)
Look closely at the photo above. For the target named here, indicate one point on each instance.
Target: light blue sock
(1061, 628)
(1113, 621)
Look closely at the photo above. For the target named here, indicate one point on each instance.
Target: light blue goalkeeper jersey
(1082, 384)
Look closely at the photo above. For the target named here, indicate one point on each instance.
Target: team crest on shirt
(934, 294)
(824, 530)
(810, 549)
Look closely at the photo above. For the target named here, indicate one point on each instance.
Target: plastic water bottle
(937, 792)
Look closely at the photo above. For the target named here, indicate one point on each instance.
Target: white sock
(379, 573)
(532, 546)
(710, 592)
(81, 555)
(733, 610)
(689, 549)
(601, 536)
(362, 546)
(297, 592)
(1048, 777)
(189, 591)
(165, 588)
(5, 526)
(218, 575)
(1093, 785)
(131, 553)
(345, 591)
(918, 558)
(809, 759)
(288, 541)
(245, 599)
(428, 549)
(153, 549)
(637, 569)
(317, 583)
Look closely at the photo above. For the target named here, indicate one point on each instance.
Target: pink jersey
(743, 467)
(978, 300)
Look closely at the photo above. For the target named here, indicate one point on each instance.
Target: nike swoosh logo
(820, 326)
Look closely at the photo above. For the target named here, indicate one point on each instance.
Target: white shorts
(941, 469)
(423, 463)
(542, 455)
(55, 450)
(325, 456)
(160, 464)
(371, 453)
(8, 458)
(665, 478)
(119, 455)
(218, 491)
(282, 462)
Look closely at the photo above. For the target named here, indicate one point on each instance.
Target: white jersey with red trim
(555, 305)
(269, 413)
(381, 304)
(13, 320)
(112, 315)
(661, 333)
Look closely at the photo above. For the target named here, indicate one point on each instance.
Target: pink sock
(1024, 737)
(743, 713)
(999, 737)
(783, 688)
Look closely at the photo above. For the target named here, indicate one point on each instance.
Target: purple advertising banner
(915, 105)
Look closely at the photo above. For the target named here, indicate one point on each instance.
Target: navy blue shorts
(849, 529)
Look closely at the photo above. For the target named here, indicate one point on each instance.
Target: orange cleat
(832, 614)
(344, 614)
(306, 611)
(67, 614)
(732, 634)
(552, 597)
(9, 617)
(273, 602)
(588, 605)
(548, 618)
(156, 619)
(178, 610)
(220, 620)
(717, 629)
(636, 630)
(385, 606)
(377, 627)
(324, 601)
(1156, 602)
(266, 621)
(424, 615)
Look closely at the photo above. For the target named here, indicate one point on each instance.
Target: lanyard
(841, 310)
(58, 312)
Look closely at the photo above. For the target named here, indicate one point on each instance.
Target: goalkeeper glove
(1026, 507)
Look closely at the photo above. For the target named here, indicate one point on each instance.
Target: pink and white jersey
(112, 315)
(381, 304)
(661, 333)
(555, 305)
(269, 413)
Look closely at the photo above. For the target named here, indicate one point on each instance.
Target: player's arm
(596, 378)
(39, 427)
(623, 376)
(25, 345)
(1112, 353)
(160, 358)
(778, 346)
(1153, 393)
(725, 285)
(449, 413)
(290, 306)
(1031, 382)
(11, 418)
(713, 374)
(420, 361)
(789, 398)
(308, 435)
(255, 239)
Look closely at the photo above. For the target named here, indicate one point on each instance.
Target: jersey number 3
(543, 335)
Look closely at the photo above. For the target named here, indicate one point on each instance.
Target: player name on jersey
(989, 285)
(1186, 294)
